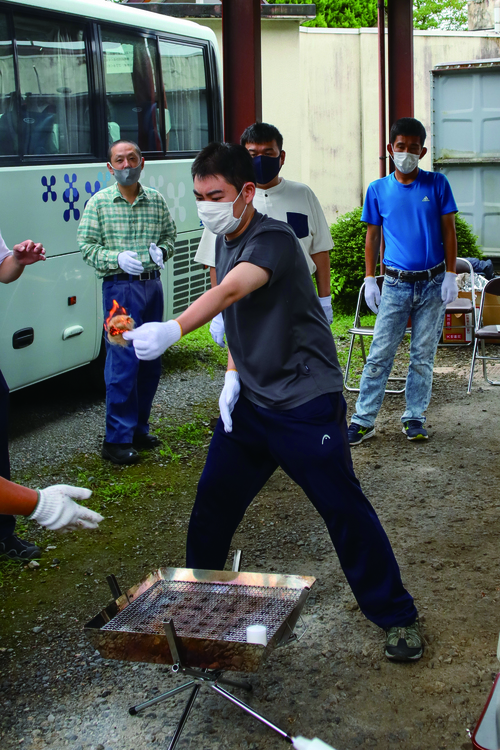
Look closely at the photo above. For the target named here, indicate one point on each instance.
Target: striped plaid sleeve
(168, 231)
(90, 240)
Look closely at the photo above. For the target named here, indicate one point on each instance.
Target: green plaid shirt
(110, 225)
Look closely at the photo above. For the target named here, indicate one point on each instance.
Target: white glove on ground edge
(56, 510)
(217, 330)
(156, 254)
(449, 287)
(130, 263)
(372, 294)
(229, 397)
(300, 743)
(326, 304)
(152, 339)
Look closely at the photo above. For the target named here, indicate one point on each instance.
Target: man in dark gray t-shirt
(282, 345)
(282, 402)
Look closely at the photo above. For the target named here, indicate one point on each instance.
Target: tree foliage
(350, 14)
(427, 14)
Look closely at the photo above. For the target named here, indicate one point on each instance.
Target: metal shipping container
(465, 112)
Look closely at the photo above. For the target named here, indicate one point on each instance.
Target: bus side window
(185, 99)
(8, 115)
(54, 87)
(131, 96)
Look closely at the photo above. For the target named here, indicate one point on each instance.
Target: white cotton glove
(449, 288)
(326, 304)
(229, 397)
(372, 294)
(130, 263)
(56, 510)
(300, 743)
(217, 330)
(152, 339)
(156, 254)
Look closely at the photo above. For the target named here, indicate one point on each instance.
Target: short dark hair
(261, 132)
(407, 126)
(228, 160)
(123, 140)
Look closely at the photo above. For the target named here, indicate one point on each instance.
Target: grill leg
(250, 711)
(244, 685)
(184, 717)
(133, 710)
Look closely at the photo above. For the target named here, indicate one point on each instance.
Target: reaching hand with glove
(152, 339)
(229, 397)
(372, 293)
(56, 509)
(53, 507)
(130, 263)
(449, 288)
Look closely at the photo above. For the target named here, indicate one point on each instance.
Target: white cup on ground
(257, 634)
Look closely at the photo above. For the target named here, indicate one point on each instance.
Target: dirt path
(440, 505)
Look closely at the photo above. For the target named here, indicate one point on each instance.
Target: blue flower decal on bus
(88, 189)
(71, 196)
(49, 185)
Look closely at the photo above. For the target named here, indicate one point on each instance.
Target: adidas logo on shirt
(425, 200)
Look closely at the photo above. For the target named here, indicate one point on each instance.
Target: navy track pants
(310, 443)
(130, 383)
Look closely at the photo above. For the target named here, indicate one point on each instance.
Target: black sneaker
(146, 442)
(404, 644)
(357, 433)
(119, 453)
(415, 430)
(18, 550)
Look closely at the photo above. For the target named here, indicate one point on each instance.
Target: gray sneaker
(404, 644)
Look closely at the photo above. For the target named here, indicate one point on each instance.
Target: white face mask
(404, 161)
(218, 217)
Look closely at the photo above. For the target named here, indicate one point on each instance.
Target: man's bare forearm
(16, 499)
(372, 249)
(322, 275)
(449, 234)
(239, 282)
(10, 270)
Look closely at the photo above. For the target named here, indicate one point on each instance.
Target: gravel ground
(438, 501)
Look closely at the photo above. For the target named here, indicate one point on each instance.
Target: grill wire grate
(206, 610)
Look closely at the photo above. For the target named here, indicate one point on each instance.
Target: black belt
(416, 275)
(129, 277)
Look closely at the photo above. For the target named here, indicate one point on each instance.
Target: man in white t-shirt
(12, 264)
(291, 202)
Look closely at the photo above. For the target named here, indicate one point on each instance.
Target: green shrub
(347, 259)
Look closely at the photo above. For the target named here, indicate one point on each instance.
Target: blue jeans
(401, 300)
(310, 443)
(130, 383)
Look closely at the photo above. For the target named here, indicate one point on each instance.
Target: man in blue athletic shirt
(416, 211)
(282, 402)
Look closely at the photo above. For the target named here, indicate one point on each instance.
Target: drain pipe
(382, 127)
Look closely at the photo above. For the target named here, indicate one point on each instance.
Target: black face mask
(266, 168)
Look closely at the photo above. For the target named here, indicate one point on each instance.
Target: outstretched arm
(24, 254)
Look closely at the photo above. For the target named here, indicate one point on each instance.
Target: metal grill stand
(212, 678)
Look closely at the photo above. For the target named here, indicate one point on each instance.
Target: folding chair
(462, 305)
(485, 333)
(362, 331)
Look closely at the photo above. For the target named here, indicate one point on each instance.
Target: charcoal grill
(196, 620)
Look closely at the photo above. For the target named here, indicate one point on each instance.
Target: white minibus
(74, 77)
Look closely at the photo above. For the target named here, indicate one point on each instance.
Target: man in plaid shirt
(126, 234)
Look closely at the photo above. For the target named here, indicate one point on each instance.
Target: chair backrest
(491, 287)
(464, 266)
